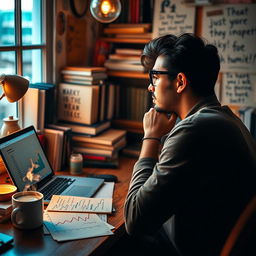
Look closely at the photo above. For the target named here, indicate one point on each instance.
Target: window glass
(7, 66)
(22, 44)
(7, 62)
(31, 22)
(7, 28)
(32, 65)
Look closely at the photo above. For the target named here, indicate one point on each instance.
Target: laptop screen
(24, 158)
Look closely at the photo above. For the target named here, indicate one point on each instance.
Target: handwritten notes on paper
(80, 204)
(232, 29)
(172, 17)
(239, 89)
(70, 226)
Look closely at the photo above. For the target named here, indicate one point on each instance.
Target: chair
(242, 238)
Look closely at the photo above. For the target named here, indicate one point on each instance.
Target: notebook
(28, 167)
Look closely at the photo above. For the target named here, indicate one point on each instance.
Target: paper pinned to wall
(232, 29)
(80, 204)
(172, 17)
(238, 89)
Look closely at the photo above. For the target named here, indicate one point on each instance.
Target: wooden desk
(36, 243)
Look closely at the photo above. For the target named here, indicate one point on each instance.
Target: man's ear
(181, 82)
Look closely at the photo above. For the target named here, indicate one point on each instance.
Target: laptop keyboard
(56, 187)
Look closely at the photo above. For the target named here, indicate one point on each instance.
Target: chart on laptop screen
(25, 159)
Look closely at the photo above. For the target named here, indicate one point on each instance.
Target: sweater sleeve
(156, 188)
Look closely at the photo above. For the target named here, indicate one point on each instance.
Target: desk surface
(35, 242)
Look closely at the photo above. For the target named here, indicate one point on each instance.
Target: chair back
(242, 238)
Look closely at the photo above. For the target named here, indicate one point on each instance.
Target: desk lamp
(105, 11)
(14, 87)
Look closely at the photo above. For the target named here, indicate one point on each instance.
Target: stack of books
(129, 30)
(5, 210)
(101, 150)
(125, 59)
(58, 145)
(86, 102)
(83, 75)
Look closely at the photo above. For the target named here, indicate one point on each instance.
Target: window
(24, 44)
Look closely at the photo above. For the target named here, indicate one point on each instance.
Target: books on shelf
(38, 105)
(30, 104)
(128, 28)
(87, 130)
(128, 51)
(148, 26)
(124, 57)
(53, 147)
(116, 140)
(142, 35)
(78, 76)
(93, 151)
(117, 146)
(122, 65)
(85, 98)
(81, 82)
(101, 51)
(109, 137)
(135, 12)
(86, 71)
(125, 30)
(67, 139)
(136, 102)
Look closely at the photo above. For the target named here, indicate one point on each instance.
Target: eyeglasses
(152, 79)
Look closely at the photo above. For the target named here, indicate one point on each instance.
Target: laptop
(28, 167)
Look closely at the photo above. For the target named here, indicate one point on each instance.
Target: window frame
(47, 10)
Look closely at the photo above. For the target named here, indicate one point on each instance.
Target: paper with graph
(65, 226)
(80, 204)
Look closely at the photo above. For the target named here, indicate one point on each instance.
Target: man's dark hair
(188, 54)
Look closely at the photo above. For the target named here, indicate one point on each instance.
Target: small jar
(10, 125)
(76, 164)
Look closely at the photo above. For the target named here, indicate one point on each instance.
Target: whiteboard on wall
(172, 17)
(232, 29)
(238, 89)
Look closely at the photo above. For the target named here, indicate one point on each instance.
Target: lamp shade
(14, 87)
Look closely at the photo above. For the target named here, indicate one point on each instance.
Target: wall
(74, 37)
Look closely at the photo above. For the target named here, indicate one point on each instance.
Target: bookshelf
(134, 77)
(133, 82)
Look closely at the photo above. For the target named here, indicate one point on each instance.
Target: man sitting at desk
(193, 193)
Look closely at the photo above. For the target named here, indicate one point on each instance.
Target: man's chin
(161, 110)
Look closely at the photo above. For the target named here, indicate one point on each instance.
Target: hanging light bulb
(105, 11)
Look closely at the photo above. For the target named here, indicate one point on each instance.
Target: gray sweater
(205, 175)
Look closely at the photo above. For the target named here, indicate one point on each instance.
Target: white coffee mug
(28, 209)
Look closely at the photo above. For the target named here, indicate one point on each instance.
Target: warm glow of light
(105, 7)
